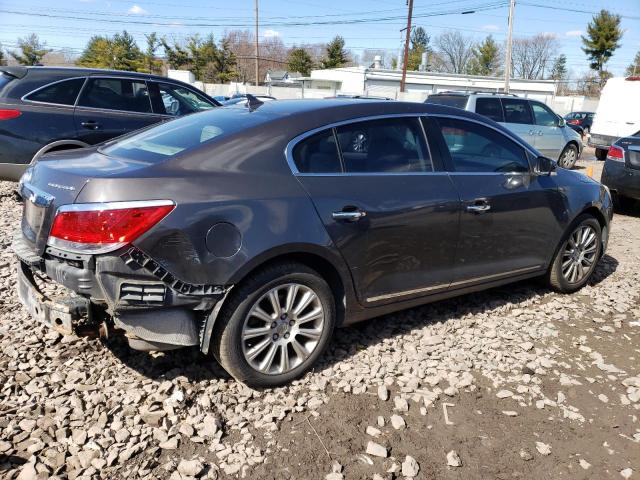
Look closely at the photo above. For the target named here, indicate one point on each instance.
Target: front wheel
(275, 325)
(568, 157)
(577, 256)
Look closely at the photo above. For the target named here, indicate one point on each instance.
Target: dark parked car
(253, 233)
(45, 109)
(242, 100)
(580, 121)
(621, 171)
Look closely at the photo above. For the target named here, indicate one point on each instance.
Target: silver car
(532, 120)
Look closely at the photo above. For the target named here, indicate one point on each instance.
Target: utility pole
(406, 47)
(507, 60)
(257, 44)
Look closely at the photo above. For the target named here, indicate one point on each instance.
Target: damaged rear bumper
(128, 292)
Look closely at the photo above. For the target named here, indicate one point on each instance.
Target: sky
(362, 23)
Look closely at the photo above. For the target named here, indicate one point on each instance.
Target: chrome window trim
(439, 286)
(288, 151)
(515, 140)
(38, 102)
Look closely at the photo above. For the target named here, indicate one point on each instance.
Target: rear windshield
(185, 133)
(458, 101)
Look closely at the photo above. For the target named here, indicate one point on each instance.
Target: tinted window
(63, 93)
(575, 116)
(388, 145)
(175, 100)
(516, 111)
(544, 116)
(318, 154)
(170, 138)
(458, 101)
(476, 148)
(490, 107)
(116, 94)
(4, 79)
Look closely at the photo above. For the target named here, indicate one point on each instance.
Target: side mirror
(545, 166)
(562, 122)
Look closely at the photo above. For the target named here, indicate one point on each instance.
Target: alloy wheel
(282, 328)
(579, 254)
(568, 158)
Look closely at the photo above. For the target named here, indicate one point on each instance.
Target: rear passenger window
(390, 145)
(516, 111)
(476, 148)
(62, 93)
(318, 154)
(116, 94)
(490, 108)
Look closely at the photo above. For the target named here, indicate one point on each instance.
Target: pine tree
(486, 58)
(559, 70)
(98, 53)
(603, 38)
(119, 53)
(419, 45)
(336, 54)
(152, 63)
(299, 60)
(634, 68)
(31, 50)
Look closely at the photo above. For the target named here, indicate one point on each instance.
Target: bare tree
(532, 57)
(273, 54)
(369, 54)
(453, 52)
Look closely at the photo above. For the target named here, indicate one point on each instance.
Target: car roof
(21, 71)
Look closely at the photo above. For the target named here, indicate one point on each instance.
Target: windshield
(575, 116)
(458, 101)
(173, 137)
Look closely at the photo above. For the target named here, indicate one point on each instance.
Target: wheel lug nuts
(286, 335)
(274, 325)
(291, 322)
(275, 336)
(283, 316)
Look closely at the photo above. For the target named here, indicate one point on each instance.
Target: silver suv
(533, 121)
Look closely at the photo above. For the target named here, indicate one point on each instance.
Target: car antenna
(253, 102)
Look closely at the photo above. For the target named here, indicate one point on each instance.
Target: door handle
(90, 124)
(531, 132)
(540, 132)
(349, 216)
(480, 205)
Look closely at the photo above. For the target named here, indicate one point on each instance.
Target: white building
(386, 83)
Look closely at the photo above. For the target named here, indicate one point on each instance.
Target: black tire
(555, 277)
(568, 157)
(601, 153)
(227, 344)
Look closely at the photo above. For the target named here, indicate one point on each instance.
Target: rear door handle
(349, 216)
(540, 132)
(90, 124)
(479, 205)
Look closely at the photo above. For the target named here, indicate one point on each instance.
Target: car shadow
(192, 364)
(629, 209)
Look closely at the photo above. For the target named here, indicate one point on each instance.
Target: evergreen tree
(3, 61)
(31, 50)
(486, 58)
(419, 45)
(152, 63)
(119, 53)
(559, 70)
(177, 56)
(299, 60)
(336, 54)
(634, 68)
(603, 38)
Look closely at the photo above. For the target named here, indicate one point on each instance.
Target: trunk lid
(57, 179)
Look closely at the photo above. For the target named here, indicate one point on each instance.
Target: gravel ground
(516, 382)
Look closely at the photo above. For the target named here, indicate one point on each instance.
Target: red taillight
(104, 227)
(615, 153)
(574, 122)
(8, 113)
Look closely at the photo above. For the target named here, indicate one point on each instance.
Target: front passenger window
(544, 116)
(476, 148)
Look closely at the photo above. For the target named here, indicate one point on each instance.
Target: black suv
(252, 232)
(44, 109)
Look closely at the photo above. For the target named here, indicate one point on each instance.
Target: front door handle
(90, 124)
(531, 132)
(480, 205)
(349, 216)
(540, 132)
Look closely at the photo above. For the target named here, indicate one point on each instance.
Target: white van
(618, 113)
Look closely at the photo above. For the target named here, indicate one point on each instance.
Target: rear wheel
(568, 157)
(577, 256)
(601, 153)
(275, 326)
